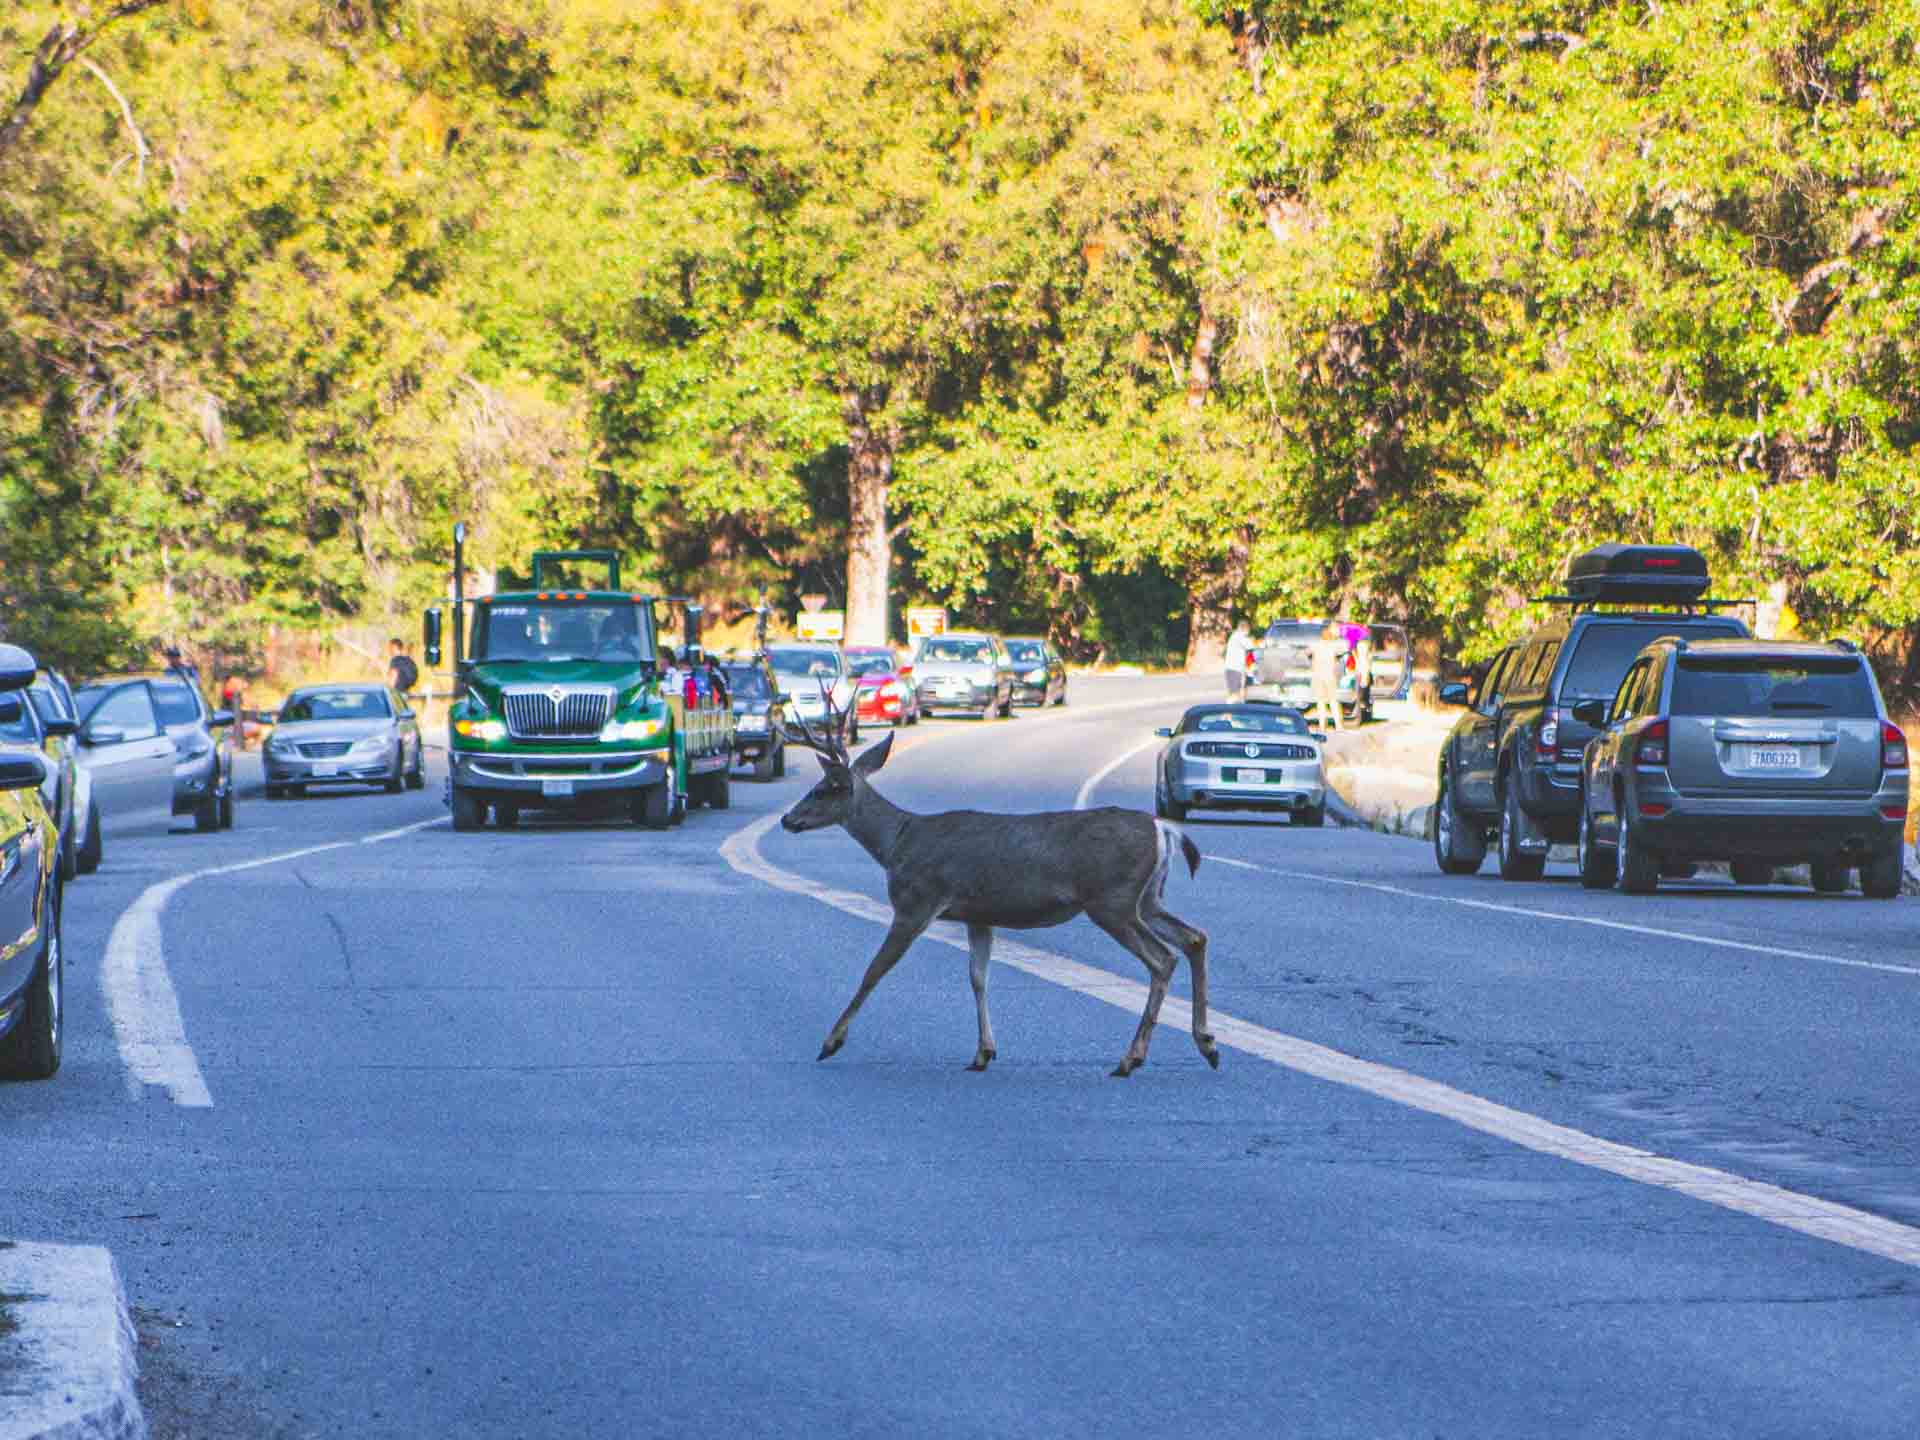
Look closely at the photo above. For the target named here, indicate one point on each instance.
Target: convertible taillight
(1651, 747)
(1893, 747)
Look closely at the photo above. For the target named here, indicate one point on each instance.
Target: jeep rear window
(1604, 652)
(1779, 686)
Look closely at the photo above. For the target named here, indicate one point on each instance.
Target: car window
(1261, 722)
(336, 705)
(1602, 653)
(51, 700)
(748, 682)
(1488, 700)
(177, 704)
(20, 728)
(812, 664)
(871, 663)
(958, 652)
(127, 710)
(1628, 694)
(1027, 652)
(1774, 686)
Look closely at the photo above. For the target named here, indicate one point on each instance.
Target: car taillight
(1893, 747)
(1651, 747)
(1547, 741)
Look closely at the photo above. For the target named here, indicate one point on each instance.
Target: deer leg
(900, 935)
(1184, 937)
(980, 942)
(1160, 961)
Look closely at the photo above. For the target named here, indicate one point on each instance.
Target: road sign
(927, 620)
(821, 625)
(813, 603)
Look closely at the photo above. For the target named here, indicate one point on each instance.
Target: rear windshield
(819, 664)
(748, 682)
(962, 652)
(1026, 652)
(1604, 652)
(175, 703)
(1237, 721)
(1293, 632)
(1774, 687)
(876, 663)
(336, 705)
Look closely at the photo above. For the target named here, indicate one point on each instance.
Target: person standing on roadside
(402, 674)
(1239, 646)
(233, 699)
(1327, 654)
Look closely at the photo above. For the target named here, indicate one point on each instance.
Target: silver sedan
(343, 735)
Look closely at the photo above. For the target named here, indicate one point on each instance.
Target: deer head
(831, 801)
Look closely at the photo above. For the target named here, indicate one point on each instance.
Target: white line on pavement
(141, 1001)
(1806, 1214)
(1748, 946)
(1086, 790)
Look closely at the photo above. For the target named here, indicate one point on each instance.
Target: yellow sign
(820, 624)
(931, 620)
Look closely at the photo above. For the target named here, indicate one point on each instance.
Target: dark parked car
(1510, 771)
(1039, 674)
(759, 716)
(958, 670)
(32, 967)
(1761, 753)
(23, 728)
(152, 741)
(344, 735)
(1251, 756)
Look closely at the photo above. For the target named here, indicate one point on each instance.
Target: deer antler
(832, 745)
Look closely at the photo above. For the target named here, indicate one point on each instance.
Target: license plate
(1246, 777)
(1770, 757)
(322, 770)
(555, 788)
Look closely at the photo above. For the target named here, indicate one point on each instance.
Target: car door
(19, 884)
(407, 726)
(1605, 767)
(1478, 738)
(130, 756)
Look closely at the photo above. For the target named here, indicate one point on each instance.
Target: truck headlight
(1037, 675)
(488, 729)
(630, 730)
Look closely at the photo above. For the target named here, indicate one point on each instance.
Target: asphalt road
(522, 1134)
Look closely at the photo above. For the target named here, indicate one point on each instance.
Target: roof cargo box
(1638, 574)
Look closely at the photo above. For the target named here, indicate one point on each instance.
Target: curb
(67, 1369)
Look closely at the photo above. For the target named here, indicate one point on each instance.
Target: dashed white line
(140, 997)
(1788, 1209)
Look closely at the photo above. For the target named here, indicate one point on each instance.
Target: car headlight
(753, 722)
(1037, 675)
(630, 730)
(371, 745)
(279, 744)
(488, 729)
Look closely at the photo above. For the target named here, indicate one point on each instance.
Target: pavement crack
(340, 934)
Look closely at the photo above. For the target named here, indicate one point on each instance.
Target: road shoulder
(67, 1363)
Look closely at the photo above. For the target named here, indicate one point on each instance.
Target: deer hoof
(1209, 1050)
(984, 1059)
(1122, 1070)
(830, 1049)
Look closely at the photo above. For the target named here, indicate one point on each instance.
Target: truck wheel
(1596, 860)
(1515, 863)
(88, 859)
(469, 810)
(1830, 877)
(719, 790)
(653, 807)
(1458, 846)
(31, 1051)
(1639, 866)
(1880, 877)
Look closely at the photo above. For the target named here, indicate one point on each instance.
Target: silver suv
(1762, 753)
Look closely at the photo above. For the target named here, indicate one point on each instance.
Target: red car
(882, 694)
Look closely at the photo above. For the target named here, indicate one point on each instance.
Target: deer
(1014, 872)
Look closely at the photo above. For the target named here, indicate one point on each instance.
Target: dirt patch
(188, 1394)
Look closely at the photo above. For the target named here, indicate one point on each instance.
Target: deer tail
(1168, 837)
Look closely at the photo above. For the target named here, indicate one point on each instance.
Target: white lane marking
(140, 997)
(1688, 936)
(1086, 790)
(1805, 1214)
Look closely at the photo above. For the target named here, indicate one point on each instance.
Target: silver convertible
(1251, 756)
(343, 734)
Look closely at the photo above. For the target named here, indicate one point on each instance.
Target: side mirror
(782, 697)
(61, 725)
(20, 770)
(430, 636)
(1316, 735)
(12, 707)
(1453, 693)
(17, 668)
(1165, 732)
(1591, 712)
(406, 714)
(102, 735)
(219, 719)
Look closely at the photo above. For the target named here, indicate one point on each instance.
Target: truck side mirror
(1453, 694)
(430, 635)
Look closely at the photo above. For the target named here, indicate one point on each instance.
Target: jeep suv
(1510, 771)
(1762, 753)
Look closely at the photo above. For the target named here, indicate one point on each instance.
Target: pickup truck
(564, 705)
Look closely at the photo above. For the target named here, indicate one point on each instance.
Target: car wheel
(469, 810)
(1596, 860)
(763, 765)
(1457, 846)
(1830, 877)
(1880, 877)
(226, 810)
(1751, 872)
(206, 815)
(397, 781)
(1639, 866)
(1515, 863)
(1313, 816)
(31, 1050)
(69, 851)
(780, 760)
(88, 860)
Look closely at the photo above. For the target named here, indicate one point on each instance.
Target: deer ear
(874, 757)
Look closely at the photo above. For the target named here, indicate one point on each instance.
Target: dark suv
(1761, 753)
(1510, 770)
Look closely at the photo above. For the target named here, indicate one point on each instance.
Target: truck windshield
(1773, 686)
(562, 630)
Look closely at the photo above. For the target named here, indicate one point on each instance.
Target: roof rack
(1841, 642)
(1706, 605)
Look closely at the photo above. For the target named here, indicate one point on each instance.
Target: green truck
(562, 703)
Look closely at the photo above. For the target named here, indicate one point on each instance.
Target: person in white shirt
(1239, 644)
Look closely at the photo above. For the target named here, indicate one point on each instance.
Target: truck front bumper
(557, 774)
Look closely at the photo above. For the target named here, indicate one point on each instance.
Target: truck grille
(557, 712)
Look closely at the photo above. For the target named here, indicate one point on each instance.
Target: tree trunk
(1211, 597)
(869, 545)
(61, 46)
